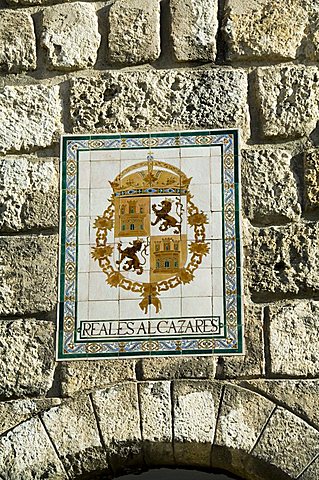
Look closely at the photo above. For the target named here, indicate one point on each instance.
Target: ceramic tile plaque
(150, 258)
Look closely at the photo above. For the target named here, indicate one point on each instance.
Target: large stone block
(258, 30)
(195, 405)
(156, 426)
(16, 411)
(177, 367)
(293, 327)
(311, 179)
(288, 100)
(284, 261)
(26, 357)
(117, 411)
(29, 195)
(252, 363)
(301, 396)
(312, 472)
(139, 100)
(243, 415)
(269, 189)
(27, 453)
(28, 267)
(73, 429)
(134, 31)
(288, 443)
(91, 375)
(17, 42)
(70, 36)
(30, 117)
(194, 25)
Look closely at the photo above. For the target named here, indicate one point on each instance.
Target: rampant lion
(162, 215)
(130, 255)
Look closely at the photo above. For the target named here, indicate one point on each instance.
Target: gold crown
(150, 178)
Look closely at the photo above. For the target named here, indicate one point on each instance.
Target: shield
(141, 241)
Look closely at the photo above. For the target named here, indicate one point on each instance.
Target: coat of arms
(142, 242)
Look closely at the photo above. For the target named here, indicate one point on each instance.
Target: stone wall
(131, 65)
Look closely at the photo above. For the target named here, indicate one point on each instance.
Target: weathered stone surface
(288, 100)
(118, 415)
(288, 443)
(30, 117)
(176, 367)
(194, 27)
(195, 406)
(301, 396)
(17, 42)
(242, 416)
(26, 357)
(73, 430)
(27, 453)
(252, 363)
(134, 31)
(16, 411)
(70, 36)
(126, 101)
(29, 193)
(80, 376)
(156, 417)
(258, 30)
(28, 267)
(312, 473)
(311, 179)
(269, 188)
(284, 260)
(293, 326)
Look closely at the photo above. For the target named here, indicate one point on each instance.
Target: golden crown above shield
(142, 241)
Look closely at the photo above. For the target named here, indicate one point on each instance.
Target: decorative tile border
(228, 338)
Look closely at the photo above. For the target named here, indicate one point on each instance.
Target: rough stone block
(312, 472)
(134, 31)
(73, 429)
(30, 117)
(301, 396)
(284, 261)
(26, 357)
(311, 179)
(28, 274)
(252, 363)
(177, 367)
(194, 26)
(118, 415)
(195, 406)
(17, 42)
(126, 101)
(293, 326)
(242, 416)
(27, 453)
(70, 36)
(16, 411)
(288, 442)
(288, 100)
(258, 30)
(270, 194)
(80, 376)
(156, 417)
(29, 195)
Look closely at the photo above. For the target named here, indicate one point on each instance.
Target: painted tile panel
(148, 255)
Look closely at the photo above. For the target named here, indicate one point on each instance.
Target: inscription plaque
(150, 255)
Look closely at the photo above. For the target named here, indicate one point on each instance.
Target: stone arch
(131, 426)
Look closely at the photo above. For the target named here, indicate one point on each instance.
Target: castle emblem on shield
(142, 242)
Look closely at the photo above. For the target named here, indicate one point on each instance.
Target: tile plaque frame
(228, 339)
